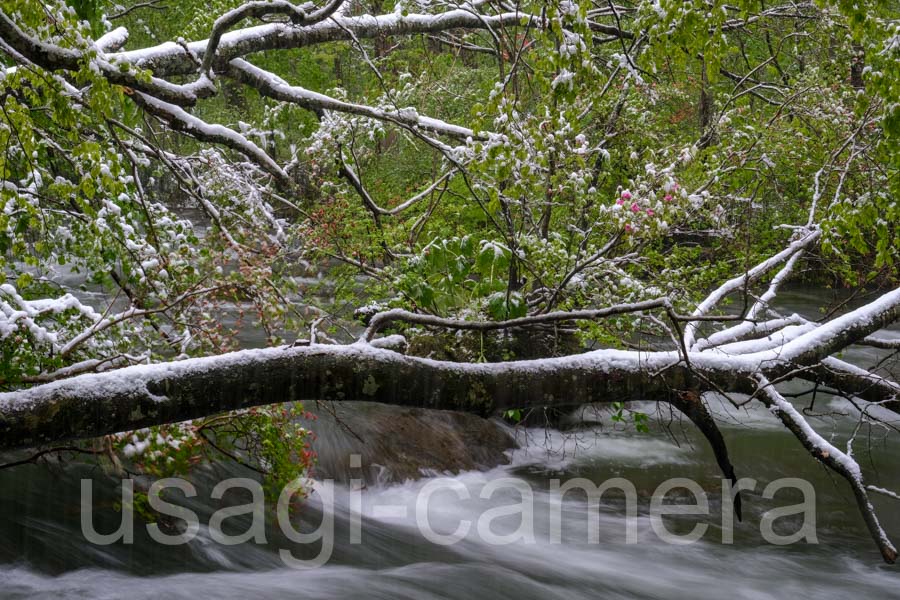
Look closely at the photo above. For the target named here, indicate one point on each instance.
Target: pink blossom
(620, 202)
(650, 212)
(628, 227)
(626, 194)
(635, 207)
(668, 198)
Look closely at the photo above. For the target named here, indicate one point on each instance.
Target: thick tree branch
(296, 14)
(134, 397)
(170, 59)
(52, 58)
(269, 84)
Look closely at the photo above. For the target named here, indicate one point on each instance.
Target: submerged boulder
(397, 443)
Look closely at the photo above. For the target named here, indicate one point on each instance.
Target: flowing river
(44, 554)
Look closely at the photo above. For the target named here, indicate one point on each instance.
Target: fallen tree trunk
(140, 396)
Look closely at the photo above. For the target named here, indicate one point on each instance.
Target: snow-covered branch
(180, 120)
(52, 58)
(824, 451)
(742, 281)
(171, 59)
(269, 84)
(383, 319)
(257, 9)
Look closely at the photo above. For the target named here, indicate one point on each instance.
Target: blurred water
(43, 553)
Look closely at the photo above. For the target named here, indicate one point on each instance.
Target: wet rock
(396, 443)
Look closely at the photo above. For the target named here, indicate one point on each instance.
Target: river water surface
(43, 553)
